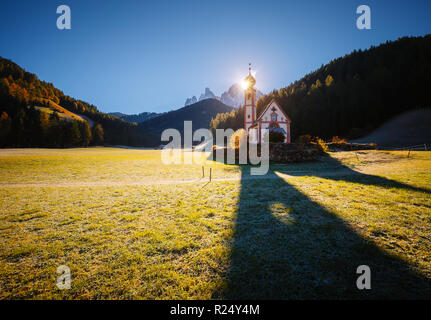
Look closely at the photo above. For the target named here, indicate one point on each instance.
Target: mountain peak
(208, 94)
(233, 97)
(190, 101)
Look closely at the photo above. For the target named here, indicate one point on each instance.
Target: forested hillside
(353, 94)
(33, 113)
(200, 113)
(138, 118)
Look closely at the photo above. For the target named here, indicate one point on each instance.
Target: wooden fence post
(203, 172)
(408, 155)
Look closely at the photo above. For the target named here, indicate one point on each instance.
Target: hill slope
(354, 94)
(407, 129)
(51, 107)
(200, 113)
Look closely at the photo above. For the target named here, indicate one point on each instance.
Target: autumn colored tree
(329, 80)
(238, 138)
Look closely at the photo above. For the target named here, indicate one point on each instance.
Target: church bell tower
(249, 100)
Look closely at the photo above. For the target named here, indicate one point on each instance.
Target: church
(272, 117)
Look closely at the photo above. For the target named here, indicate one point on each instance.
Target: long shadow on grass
(286, 246)
(335, 170)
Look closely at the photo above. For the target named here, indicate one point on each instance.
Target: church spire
(250, 80)
(249, 100)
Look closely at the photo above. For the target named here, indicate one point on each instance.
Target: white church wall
(267, 115)
(281, 120)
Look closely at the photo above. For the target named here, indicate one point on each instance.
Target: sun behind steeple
(271, 119)
(249, 81)
(249, 99)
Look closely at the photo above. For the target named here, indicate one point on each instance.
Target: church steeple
(249, 100)
(250, 80)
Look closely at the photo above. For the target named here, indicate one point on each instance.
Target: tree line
(354, 94)
(33, 128)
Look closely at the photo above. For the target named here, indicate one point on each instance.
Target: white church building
(272, 117)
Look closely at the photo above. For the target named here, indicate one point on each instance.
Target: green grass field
(130, 227)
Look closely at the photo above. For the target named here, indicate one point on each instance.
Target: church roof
(281, 130)
(254, 124)
(266, 108)
(272, 129)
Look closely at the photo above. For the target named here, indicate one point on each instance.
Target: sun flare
(245, 84)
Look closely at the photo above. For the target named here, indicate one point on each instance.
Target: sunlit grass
(143, 242)
(103, 165)
(161, 241)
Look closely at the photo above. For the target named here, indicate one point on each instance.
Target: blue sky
(135, 56)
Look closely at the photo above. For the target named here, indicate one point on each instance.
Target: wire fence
(418, 147)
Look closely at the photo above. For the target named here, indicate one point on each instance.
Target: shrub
(316, 142)
(238, 138)
(321, 145)
(276, 137)
(305, 139)
(337, 139)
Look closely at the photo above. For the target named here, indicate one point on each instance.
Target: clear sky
(135, 56)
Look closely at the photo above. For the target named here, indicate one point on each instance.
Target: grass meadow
(130, 227)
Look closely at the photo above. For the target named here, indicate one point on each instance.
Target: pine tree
(98, 134)
(44, 123)
(5, 128)
(74, 134)
(87, 136)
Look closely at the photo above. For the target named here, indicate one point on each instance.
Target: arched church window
(273, 116)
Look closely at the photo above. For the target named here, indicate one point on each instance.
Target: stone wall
(287, 153)
(292, 152)
(283, 153)
(334, 147)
